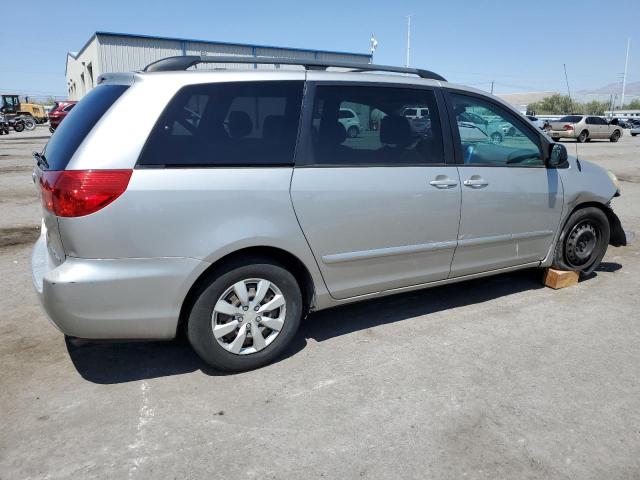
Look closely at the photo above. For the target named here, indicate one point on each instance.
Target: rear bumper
(562, 133)
(114, 298)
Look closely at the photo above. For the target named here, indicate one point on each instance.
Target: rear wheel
(583, 241)
(496, 138)
(615, 137)
(246, 315)
(353, 131)
(584, 135)
(18, 127)
(29, 123)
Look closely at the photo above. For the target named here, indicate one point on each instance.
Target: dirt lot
(495, 378)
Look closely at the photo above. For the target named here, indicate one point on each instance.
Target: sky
(520, 45)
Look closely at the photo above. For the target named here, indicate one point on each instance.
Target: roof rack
(183, 62)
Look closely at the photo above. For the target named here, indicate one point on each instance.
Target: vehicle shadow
(121, 362)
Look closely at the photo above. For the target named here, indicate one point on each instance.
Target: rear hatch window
(78, 123)
(571, 119)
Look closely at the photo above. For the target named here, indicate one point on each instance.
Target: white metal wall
(83, 71)
(115, 53)
(124, 54)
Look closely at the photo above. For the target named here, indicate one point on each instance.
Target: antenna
(566, 78)
(408, 39)
(624, 78)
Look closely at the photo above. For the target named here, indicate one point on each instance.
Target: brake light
(568, 126)
(75, 193)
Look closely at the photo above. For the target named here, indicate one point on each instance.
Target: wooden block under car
(559, 278)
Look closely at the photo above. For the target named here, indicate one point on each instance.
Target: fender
(618, 237)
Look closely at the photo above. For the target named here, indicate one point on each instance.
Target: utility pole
(624, 78)
(408, 39)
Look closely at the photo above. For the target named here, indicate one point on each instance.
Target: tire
(615, 137)
(353, 131)
(634, 134)
(29, 123)
(51, 129)
(584, 135)
(220, 289)
(496, 138)
(583, 241)
(18, 127)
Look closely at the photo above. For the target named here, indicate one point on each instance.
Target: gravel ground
(493, 378)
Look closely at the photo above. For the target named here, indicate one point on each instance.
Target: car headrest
(332, 133)
(395, 130)
(240, 124)
(273, 127)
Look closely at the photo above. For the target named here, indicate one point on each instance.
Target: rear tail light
(75, 193)
(568, 126)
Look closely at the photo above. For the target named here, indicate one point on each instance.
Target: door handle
(476, 181)
(442, 181)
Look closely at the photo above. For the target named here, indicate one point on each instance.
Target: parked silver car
(584, 128)
(171, 201)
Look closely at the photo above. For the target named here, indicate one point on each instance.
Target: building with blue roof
(122, 52)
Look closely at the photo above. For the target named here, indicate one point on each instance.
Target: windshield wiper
(41, 160)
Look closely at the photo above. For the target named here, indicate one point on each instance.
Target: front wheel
(496, 138)
(615, 137)
(583, 241)
(245, 315)
(18, 127)
(353, 131)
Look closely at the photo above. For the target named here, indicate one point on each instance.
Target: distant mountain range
(633, 88)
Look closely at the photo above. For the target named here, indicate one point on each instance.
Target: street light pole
(624, 78)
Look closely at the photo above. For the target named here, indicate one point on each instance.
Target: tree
(554, 105)
(633, 105)
(595, 107)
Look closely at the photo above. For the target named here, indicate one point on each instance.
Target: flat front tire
(245, 315)
(583, 241)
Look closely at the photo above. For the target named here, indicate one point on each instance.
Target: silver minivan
(229, 204)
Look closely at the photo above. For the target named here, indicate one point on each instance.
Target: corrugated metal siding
(124, 54)
(201, 48)
(338, 57)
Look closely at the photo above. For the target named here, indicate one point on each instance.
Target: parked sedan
(584, 128)
(536, 121)
(58, 112)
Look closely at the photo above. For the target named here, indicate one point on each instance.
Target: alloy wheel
(248, 316)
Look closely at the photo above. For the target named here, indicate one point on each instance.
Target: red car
(59, 111)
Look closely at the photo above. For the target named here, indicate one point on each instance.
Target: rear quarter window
(78, 123)
(227, 124)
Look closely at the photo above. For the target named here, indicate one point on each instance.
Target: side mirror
(557, 155)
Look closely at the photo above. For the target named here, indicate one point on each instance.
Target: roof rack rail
(183, 62)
